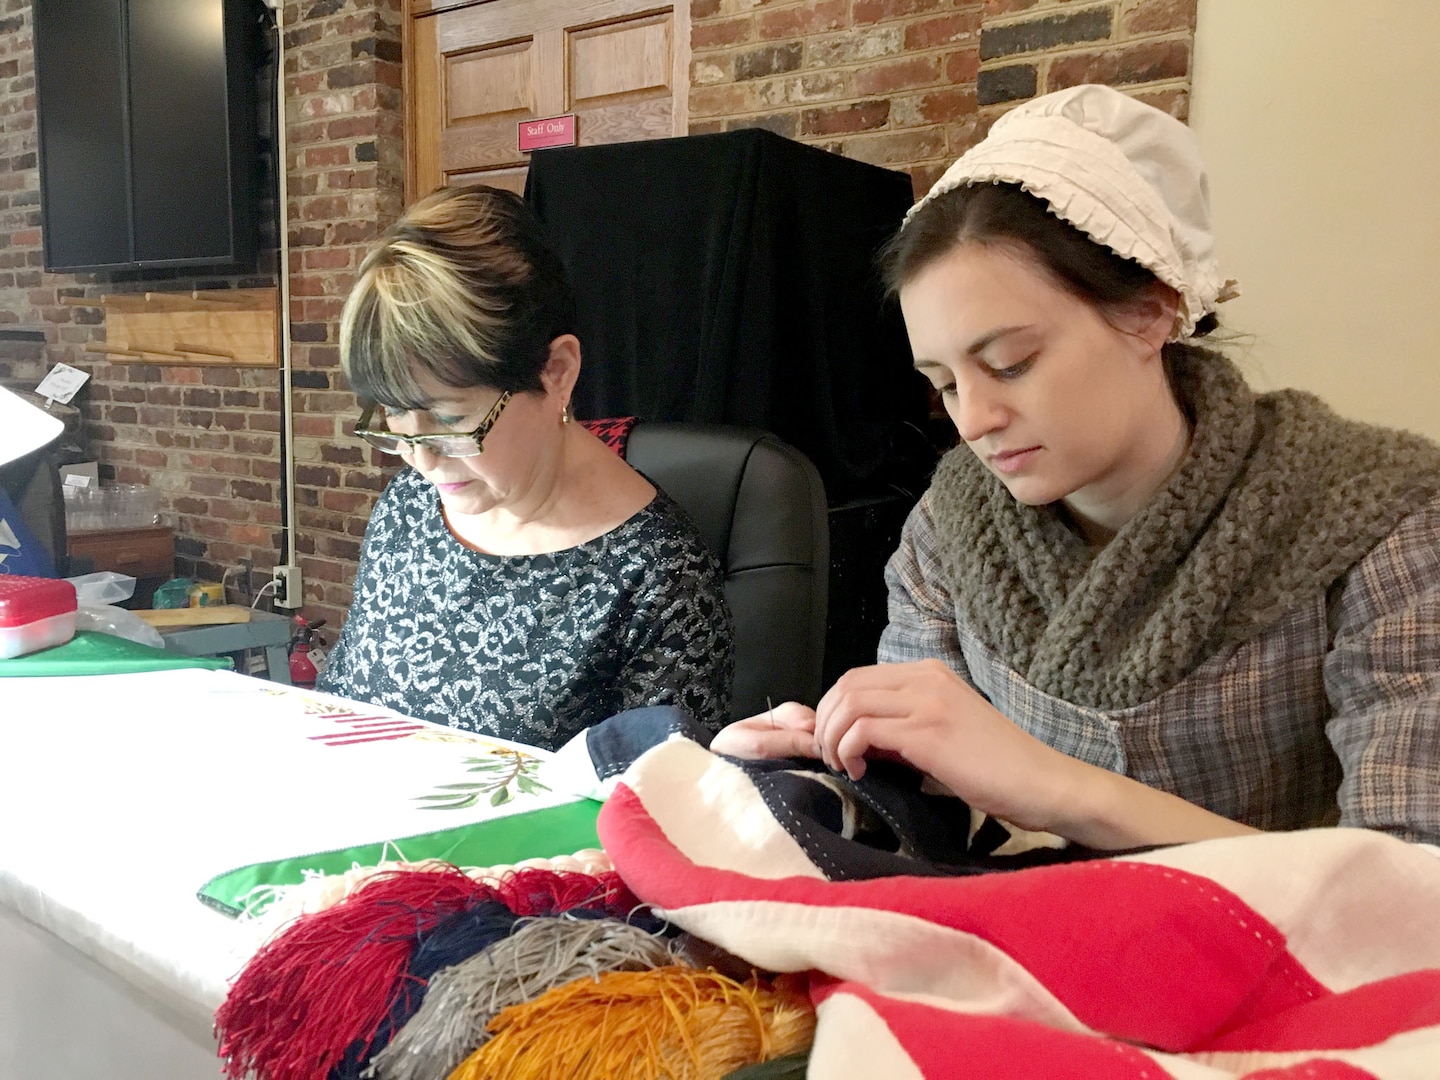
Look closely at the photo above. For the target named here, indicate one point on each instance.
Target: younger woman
(1142, 604)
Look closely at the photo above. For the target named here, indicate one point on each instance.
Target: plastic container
(113, 506)
(132, 505)
(35, 614)
(104, 587)
(84, 508)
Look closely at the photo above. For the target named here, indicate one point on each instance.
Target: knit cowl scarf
(1276, 499)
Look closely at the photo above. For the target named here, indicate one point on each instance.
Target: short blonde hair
(461, 288)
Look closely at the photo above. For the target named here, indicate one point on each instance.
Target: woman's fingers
(788, 730)
(851, 749)
(859, 704)
(765, 743)
(788, 714)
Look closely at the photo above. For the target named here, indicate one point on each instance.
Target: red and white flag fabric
(1312, 955)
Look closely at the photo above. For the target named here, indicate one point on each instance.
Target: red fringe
(547, 892)
(329, 979)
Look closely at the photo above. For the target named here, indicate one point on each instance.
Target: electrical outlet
(289, 589)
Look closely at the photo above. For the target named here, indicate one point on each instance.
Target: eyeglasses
(441, 444)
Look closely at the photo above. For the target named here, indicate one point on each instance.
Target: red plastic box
(35, 613)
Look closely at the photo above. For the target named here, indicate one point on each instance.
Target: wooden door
(476, 69)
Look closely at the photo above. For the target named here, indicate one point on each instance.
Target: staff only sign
(553, 131)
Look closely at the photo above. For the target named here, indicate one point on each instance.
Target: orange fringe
(671, 1023)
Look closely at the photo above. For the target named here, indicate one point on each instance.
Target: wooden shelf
(229, 327)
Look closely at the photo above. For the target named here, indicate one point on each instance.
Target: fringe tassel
(461, 936)
(673, 1022)
(458, 938)
(538, 956)
(547, 892)
(268, 907)
(328, 980)
(316, 996)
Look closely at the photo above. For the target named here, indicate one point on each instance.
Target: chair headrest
(750, 495)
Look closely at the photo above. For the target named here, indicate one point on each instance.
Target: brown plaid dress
(1332, 715)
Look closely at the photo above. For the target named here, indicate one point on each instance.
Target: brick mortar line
(1083, 47)
(997, 107)
(1004, 22)
(836, 69)
(1148, 35)
(788, 109)
(932, 51)
(781, 43)
(953, 46)
(1176, 81)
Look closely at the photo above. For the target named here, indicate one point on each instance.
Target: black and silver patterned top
(533, 648)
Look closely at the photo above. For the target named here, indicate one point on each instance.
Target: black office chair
(760, 506)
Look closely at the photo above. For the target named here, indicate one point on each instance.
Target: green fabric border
(537, 834)
(89, 653)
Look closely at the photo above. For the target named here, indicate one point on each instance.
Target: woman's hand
(926, 715)
(787, 730)
(921, 713)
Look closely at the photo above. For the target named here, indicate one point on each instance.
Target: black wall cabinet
(147, 114)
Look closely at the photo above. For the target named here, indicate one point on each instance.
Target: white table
(120, 795)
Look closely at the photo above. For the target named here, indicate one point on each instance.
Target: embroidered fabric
(889, 822)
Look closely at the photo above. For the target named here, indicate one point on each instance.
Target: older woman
(1142, 603)
(518, 578)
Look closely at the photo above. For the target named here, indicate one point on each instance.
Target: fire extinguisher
(302, 667)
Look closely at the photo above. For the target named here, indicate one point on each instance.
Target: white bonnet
(1126, 174)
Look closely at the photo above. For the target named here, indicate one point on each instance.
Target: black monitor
(147, 124)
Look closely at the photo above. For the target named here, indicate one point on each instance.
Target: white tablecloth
(120, 795)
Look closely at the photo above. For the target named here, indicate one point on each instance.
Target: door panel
(488, 81)
(622, 58)
(626, 123)
(478, 145)
(476, 70)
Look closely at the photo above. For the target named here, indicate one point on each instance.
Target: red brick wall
(208, 438)
(905, 83)
(912, 84)
(1030, 47)
(347, 181)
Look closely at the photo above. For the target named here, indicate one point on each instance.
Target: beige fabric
(1126, 174)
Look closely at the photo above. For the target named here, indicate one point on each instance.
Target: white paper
(62, 383)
